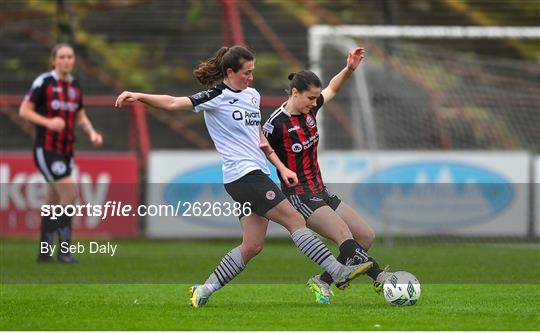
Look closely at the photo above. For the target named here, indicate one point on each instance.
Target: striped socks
(230, 266)
(315, 250)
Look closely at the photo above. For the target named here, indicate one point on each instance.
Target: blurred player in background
(55, 105)
(232, 114)
(292, 131)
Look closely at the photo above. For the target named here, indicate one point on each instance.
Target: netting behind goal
(429, 89)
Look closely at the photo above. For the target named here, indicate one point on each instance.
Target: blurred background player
(292, 133)
(55, 105)
(227, 105)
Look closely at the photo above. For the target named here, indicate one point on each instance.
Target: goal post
(437, 63)
(429, 88)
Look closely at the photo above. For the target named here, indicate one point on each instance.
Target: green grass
(465, 286)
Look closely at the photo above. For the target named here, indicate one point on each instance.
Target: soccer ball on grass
(401, 289)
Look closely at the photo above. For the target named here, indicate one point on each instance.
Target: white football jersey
(233, 119)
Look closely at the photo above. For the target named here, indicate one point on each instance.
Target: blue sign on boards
(202, 185)
(437, 195)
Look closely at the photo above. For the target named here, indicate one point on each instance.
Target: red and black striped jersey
(53, 97)
(294, 138)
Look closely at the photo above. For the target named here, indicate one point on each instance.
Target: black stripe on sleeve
(207, 95)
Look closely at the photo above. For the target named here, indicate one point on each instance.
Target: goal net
(418, 92)
(432, 87)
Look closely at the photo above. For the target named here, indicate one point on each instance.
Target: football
(401, 289)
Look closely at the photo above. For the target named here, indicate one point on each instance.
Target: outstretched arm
(164, 102)
(353, 60)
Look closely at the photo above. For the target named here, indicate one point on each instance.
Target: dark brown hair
(57, 47)
(303, 80)
(213, 70)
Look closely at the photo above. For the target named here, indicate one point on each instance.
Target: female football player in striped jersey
(55, 105)
(232, 114)
(292, 132)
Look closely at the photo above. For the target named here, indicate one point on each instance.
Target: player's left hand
(96, 139)
(290, 177)
(355, 57)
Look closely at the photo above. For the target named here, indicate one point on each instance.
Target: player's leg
(285, 214)
(52, 166)
(362, 232)
(253, 233)
(335, 230)
(327, 223)
(254, 229)
(48, 228)
(266, 199)
(66, 190)
(364, 235)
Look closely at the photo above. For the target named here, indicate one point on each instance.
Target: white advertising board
(413, 193)
(193, 179)
(537, 195)
(446, 193)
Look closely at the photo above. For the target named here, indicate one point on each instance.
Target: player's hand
(96, 139)
(289, 177)
(56, 124)
(355, 57)
(126, 96)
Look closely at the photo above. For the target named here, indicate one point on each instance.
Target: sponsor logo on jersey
(237, 115)
(72, 93)
(306, 144)
(310, 121)
(296, 147)
(234, 101)
(270, 195)
(65, 106)
(251, 118)
(292, 129)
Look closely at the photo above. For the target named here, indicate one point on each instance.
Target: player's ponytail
(213, 70)
(303, 80)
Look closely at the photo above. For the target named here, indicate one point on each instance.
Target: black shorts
(52, 165)
(308, 203)
(257, 189)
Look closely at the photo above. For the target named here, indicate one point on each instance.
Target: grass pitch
(465, 286)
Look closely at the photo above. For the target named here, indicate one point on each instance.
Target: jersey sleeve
(320, 102)
(205, 100)
(36, 94)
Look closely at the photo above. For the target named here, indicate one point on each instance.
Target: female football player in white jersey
(292, 131)
(232, 114)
